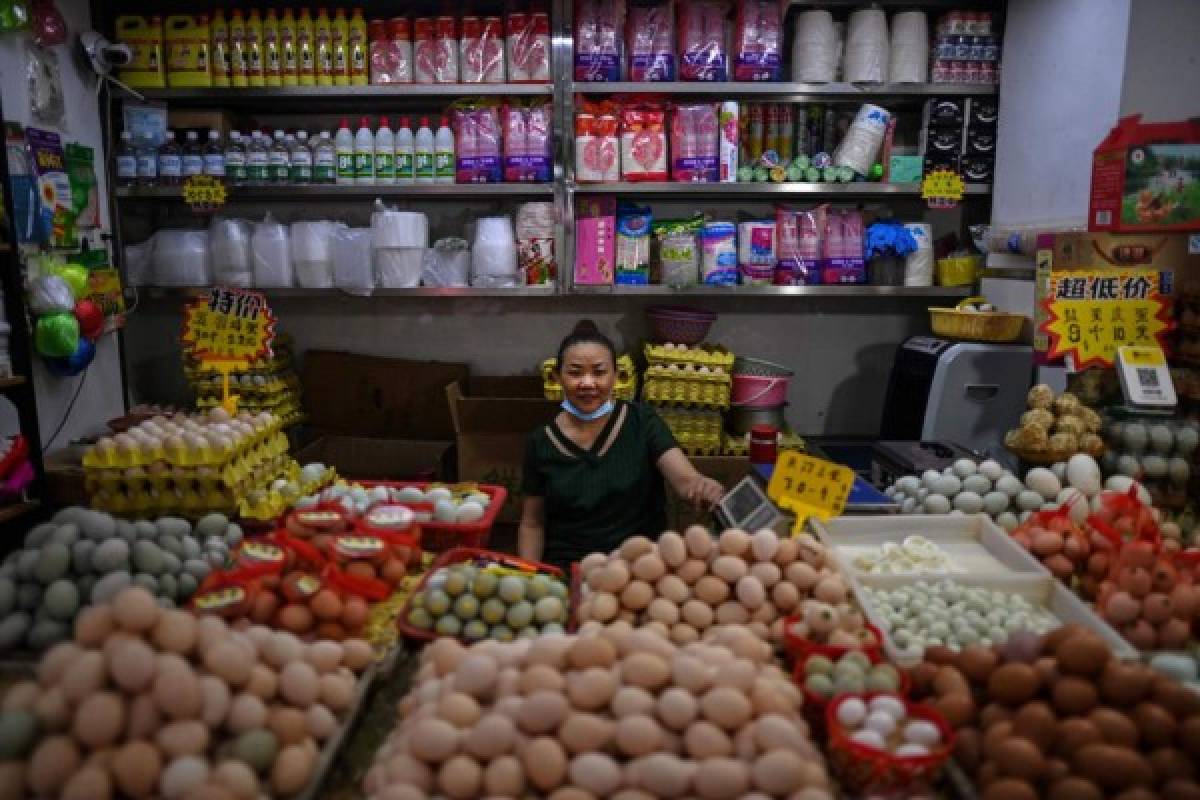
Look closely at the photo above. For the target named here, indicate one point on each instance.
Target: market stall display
(1055, 428)
(268, 385)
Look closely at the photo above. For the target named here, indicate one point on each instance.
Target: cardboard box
(381, 459)
(493, 416)
(200, 120)
(391, 398)
(1147, 178)
(726, 470)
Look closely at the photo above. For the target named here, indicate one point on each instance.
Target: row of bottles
(364, 158)
(289, 50)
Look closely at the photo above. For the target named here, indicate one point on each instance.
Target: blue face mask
(570, 408)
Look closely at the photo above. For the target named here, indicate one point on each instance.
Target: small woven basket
(976, 326)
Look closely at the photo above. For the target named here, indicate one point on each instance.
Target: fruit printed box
(1146, 177)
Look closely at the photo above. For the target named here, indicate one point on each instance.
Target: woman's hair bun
(585, 326)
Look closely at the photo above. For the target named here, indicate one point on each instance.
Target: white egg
(409, 494)
(1084, 473)
(851, 713)
(995, 502)
(937, 504)
(1059, 468)
(444, 510)
(481, 498)
(968, 503)
(468, 512)
(1129, 466)
(1186, 440)
(977, 484)
(908, 505)
(922, 732)
(890, 491)
(1029, 500)
(947, 485)
(1024, 516)
(1044, 482)
(964, 467)
(438, 493)
(886, 704)
(1009, 484)
(909, 483)
(929, 476)
(1076, 501)
(1008, 521)
(992, 470)
(911, 750)
(868, 738)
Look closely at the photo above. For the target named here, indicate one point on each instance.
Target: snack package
(798, 246)
(535, 243)
(481, 50)
(842, 247)
(643, 143)
(650, 40)
(702, 50)
(477, 142)
(718, 254)
(596, 144)
(55, 218)
(678, 250)
(758, 41)
(633, 245)
(527, 45)
(527, 131)
(756, 252)
(598, 26)
(595, 240)
(694, 143)
(435, 50)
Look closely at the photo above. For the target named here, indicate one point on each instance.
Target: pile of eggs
(914, 554)
(1147, 602)
(610, 712)
(153, 702)
(883, 723)
(83, 557)
(1059, 425)
(464, 504)
(851, 673)
(210, 437)
(1159, 454)
(478, 602)
(928, 613)
(680, 585)
(840, 625)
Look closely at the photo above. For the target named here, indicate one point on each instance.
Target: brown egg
(544, 710)
(1075, 733)
(722, 778)
(631, 700)
(950, 680)
(590, 689)
(183, 738)
(135, 768)
(1156, 726)
(134, 609)
(1124, 684)
(1074, 788)
(321, 722)
(288, 725)
(726, 707)
(355, 613)
(942, 656)
(663, 610)
(581, 732)
(994, 736)
(52, 710)
(90, 783)
(1013, 684)
(993, 713)
(648, 567)
(1009, 789)
(545, 763)
(1018, 757)
(504, 777)
(732, 613)
(699, 541)
(299, 684)
(175, 632)
(492, 736)
(968, 749)
(977, 663)
(734, 542)
(85, 677)
(779, 772)
(1112, 768)
(1084, 655)
(591, 651)
(729, 568)
(677, 708)
(922, 676)
(1115, 728)
(93, 625)
(711, 590)
(177, 693)
(296, 618)
(238, 778)
(1171, 764)
(1074, 696)
(292, 769)
(54, 760)
(646, 670)
(1180, 790)
(638, 735)
(957, 707)
(1189, 736)
(673, 588)
(357, 654)
(99, 720)
(247, 712)
(337, 693)
(326, 605)
(230, 662)
(55, 661)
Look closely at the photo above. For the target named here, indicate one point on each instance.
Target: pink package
(435, 50)
(598, 40)
(595, 240)
(702, 50)
(481, 50)
(758, 41)
(477, 144)
(643, 143)
(842, 247)
(527, 144)
(597, 157)
(650, 35)
(798, 246)
(528, 47)
(694, 143)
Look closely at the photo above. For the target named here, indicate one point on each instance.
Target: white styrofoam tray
(975, 544)
(1043, 590)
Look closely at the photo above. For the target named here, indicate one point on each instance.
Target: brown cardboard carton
(726, 470)
(492, 418)
(380, 459)
(390, 398)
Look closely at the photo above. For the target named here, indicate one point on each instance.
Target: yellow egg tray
(734, 445)
(166, 483)
(249, 385)
(230, 473)
(687, 386)
(268, 503)
(625, 389)
(713, 356)
(269, 438)
(697, 432)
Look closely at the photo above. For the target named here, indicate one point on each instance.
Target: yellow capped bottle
(306, 49)
(239, 57)
(324, 38)
(272, 59)
(341, 48)
(219, 29)
(290, 68)
(358, 49)
(254, 46)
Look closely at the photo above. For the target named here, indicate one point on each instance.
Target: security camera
(102, 54)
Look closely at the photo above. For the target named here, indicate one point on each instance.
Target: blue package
(718, 254)
(633, 245)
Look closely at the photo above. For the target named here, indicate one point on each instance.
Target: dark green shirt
(597, 498)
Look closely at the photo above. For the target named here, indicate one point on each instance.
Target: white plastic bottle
(385, 154)
(443, 153)
(343, 144)
(423, 153)
(404, 153)
(364, 154)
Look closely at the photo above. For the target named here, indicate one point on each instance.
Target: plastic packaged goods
(694, 143)
(598, 40)
(756, 252)
(816, 48)
(435, 50)
(842, 247)
(798, 246)
(481, 50)
(399, 267)
(650, 40)
(180, 259)
(351, 253)
(595, 240)
(718, 254)
(678, 250)
(758, 41)
(527, 46)
(863, 140)
(527, 130)
(536, 259)
(312, 256)
(391, 50)
(727, 120)
(494, 254)
(866, 54)
(478, 151)
(702, 48)
(597, 158)
(447, 264)
(643, 143)
(271, 254)
(229, 251)
(633, 245)
(144, 35)
(187, 56)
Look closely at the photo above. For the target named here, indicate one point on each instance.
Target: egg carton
(671, 385)
(706, 449)
(733, 444)
(713, 356)
(231, 473)
(98, 456)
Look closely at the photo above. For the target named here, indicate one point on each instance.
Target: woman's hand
(699, 490)
(704, 492)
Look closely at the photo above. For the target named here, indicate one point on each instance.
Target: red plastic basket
(456, 556)
(799, 648)
(814, 704)
(439, 537)
(860, 767)
(679, 324)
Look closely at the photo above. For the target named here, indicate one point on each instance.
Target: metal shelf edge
(379, 90)
(284, 193)
(751, 189)
(859, 291)
(776, 89)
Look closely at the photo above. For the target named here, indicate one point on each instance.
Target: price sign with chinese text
(1091, 313)
(204, 194)
(809, 486)
(228, 327)
(942, 188)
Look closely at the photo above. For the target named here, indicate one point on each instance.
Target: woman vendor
(594, 476)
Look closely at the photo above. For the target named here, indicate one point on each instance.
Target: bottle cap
(444, 122)
(364, 123)
(383, 122)
(345, 123)
(405, 122)
(424, 122)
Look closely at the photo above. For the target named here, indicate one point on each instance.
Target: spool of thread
(860, 146)
(866, 47)
(918, 265)
(908, 56)
(815, 48)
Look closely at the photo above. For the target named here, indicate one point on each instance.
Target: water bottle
(423, 153)
(126, 161)
(170, 162)
(302, 159)
(258, 162)
(147, 162)
(193, 156)
(235, 159)
(404, 153)
(443, 153)
(214, 156)
(280, 160)
(324, 160)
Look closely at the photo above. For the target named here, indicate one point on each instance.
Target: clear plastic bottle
(147, 161)
(404, 153)
(170, 162)
(302, 160)
(214, 156)
(364, 154)
(127, 172)
(235, 159)
(423, 154)
(280, 159)
(324, 160)
(193, 156)
(344, 147)
(385, 154)
(443, 153)
(258, 160)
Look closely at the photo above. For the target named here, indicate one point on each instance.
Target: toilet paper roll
(399, 229)
(909, 52)
(860, 146)
(866, 59)
(918, 265)
(815, 48)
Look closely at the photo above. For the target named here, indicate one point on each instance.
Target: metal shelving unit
(842, 290)
(834, 190)
(791, 92)
(335, 192)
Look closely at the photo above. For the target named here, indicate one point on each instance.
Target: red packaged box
(1145, 178)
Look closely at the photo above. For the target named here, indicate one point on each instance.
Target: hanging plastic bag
(311, 253)
(56, 335)
(50, 294)
(447, 263)
(48, 28)
(229, 248)
(138, 263)
(45, 86)
(271, 255)
(351, 251)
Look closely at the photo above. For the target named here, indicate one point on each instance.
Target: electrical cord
(67, 414)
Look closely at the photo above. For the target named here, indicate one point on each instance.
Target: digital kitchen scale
(747, 506)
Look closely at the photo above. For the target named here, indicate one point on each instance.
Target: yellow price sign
(942, 188)
(226, 329)
(1143, 356)
(1090, 313)
(809, 486)
(204, 193)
